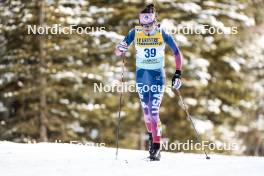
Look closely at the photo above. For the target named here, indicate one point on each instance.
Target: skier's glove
(176, 80)
(121, 48)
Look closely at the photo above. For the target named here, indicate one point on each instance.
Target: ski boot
(155, 152)
(150, 143)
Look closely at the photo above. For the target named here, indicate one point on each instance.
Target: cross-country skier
(149, 40)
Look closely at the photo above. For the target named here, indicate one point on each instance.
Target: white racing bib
(149, 49)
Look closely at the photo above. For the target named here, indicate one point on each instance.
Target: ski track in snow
(57, 159)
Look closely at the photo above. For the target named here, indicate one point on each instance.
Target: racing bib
(149, 49)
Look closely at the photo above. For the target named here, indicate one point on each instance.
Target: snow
(188, 7)
(260, 122)
(75, 126)
(113, 36)
(234, 111)
(199, 62)
(247, 20)
(213, 105)
(2, 107)
(235, 65)
(203, 125)
(204, 76)
(199, 66)
(75, 75)
(94, 9)
(94, 133)
(190, 101)
(227, 10)
(60, 159)
(67, 10)
(73, 2)
(86, 107)
(183, 40)
(228, 6)
(66, 74)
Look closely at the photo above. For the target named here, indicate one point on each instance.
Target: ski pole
(120, 106)
(185, 107)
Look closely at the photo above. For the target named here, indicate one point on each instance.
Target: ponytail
(149, 9)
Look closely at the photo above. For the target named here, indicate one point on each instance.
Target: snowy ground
(51, 159)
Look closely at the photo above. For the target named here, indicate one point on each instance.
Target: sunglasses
(147, 25)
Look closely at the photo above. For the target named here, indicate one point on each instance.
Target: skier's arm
(176, 79)
(130, 37)
(124, 44)
(172, 44)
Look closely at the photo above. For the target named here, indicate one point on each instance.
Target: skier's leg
(142, 82)
(142, 79)
(150, 86)
(155, 122)
(156, 94)
(146, 111)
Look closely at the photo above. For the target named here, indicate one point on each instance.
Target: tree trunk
(43, 81)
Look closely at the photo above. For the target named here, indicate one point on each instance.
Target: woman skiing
(149, 40)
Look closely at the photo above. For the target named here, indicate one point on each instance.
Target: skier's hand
(176, 80)
(121, 48)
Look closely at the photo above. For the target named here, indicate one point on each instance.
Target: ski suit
(150, 74)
